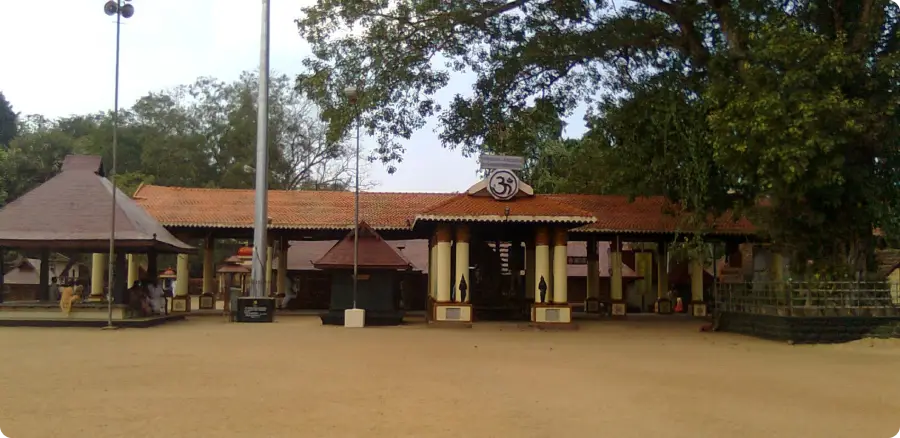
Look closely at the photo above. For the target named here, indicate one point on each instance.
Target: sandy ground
(639, 378)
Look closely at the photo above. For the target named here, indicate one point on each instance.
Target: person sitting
(156, 298)
(69, 295)
(138, 301)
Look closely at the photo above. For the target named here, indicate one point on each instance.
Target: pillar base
(181, 304)
(452, 312)
(698, 309)
(207, 301)
(355, 318)
(664, 306)
(619, 308)
(95, 298)
(551, 313)
(592, 305)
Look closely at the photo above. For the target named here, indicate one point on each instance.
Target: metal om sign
(503, 184)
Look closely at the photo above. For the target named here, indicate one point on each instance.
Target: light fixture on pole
(121, 9)
(355, 317)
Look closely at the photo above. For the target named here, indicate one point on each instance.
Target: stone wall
(810, 330)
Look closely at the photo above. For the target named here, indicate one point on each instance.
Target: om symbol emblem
(503, 184)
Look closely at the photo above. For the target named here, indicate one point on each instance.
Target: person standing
(54, 290)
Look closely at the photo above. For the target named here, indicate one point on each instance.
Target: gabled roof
(288, 209)
(72, 210)
(537, 208)
(374, 253)
(303, 253)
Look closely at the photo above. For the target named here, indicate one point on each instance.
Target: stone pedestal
(452, 312)
(697, 309)
(207, 301)
(181, 304)
(355, 318)
(619, 308)
(664, 306)
(554, 313)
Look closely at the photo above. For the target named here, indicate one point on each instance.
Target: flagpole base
(355, 318)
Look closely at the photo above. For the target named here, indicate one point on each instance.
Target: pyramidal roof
(374, 253)
(72, 210)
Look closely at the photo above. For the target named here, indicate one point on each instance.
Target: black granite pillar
(120, 278)
(44, 291)
(2, 271)
(152, 266)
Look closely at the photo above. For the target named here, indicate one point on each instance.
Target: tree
(717, 105)
(9, 121)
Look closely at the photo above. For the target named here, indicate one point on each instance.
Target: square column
(698, 306)
(432, 265)
(530, 283)
(442, 283)
(208, 297)
(181, 302)
(98, 276)
(615, 280)
(551, 295)
(663, 303)
(282, 279)
(152, 267)
(591, 303)
(560, 265)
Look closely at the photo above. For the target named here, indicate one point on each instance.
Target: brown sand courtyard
(645, 377)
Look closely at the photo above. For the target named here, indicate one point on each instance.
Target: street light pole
(260, 221)
(120, 9)
(353, 94)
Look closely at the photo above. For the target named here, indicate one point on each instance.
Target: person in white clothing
(157, 301)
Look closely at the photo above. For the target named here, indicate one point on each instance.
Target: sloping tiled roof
(302, 253)
(72, 210)
(643, 215)
(536, 208)
(374, 253)
(579, 249)
(233, 208)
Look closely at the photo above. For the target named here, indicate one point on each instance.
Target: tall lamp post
(121, 9)
(356, 317)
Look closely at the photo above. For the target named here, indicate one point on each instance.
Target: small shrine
(378, 264)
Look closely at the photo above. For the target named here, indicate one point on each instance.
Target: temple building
(496, 251)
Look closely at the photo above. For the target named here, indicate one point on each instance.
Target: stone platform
(48, 314)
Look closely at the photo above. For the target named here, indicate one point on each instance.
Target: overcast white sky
(58, 58)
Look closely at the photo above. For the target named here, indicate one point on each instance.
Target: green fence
(873, 299)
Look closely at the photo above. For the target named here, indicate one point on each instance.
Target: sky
(60, 61)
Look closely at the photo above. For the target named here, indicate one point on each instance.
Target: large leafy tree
(9, 122)
(715, 104)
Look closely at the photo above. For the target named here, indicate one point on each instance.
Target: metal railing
(807, 298)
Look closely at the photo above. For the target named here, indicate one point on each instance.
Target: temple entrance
(498, 288)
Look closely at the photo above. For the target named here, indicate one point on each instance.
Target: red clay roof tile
(374, 253)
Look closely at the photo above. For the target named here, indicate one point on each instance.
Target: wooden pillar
(615, 280)
(2, 272)
(152, 266)
(530, 283)
(270, 254)
(432, 265)
(777, 268)
(541, 263)
(120, 281)
(98, 276)
(182, 275)
(462, 262)
(593, 269)
(662, 279)
(698, 306)
(44, 291)
(442, 235)
(560, 266)
(281, 279)
(133, 270)
(209, 269)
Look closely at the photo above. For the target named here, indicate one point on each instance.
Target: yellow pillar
(182, 276)
(593, 269)
(541, 262)
(209, 270)
(442, 283)
(281, 284)
(432, 265)
(462, 262)
(698, 306)
(560, 265)
(270, 253)
(98, 276)
(662, 271)
(777, 266)
(133, 271)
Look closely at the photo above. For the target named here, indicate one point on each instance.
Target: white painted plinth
(355, 318)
